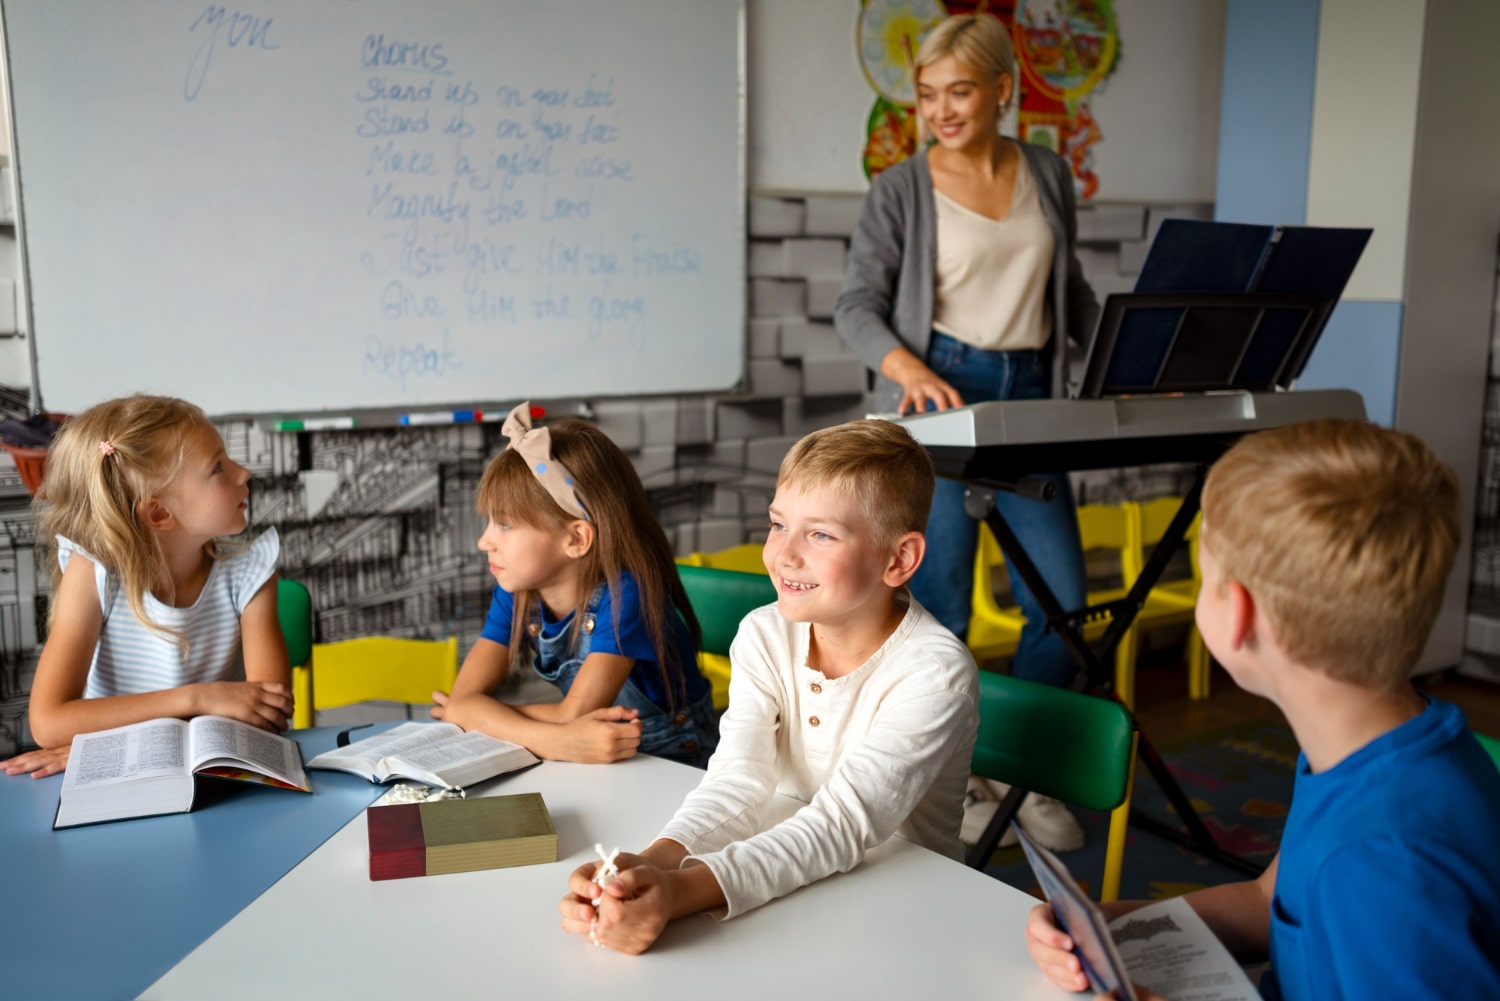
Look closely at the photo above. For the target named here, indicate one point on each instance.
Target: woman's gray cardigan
(887, 299)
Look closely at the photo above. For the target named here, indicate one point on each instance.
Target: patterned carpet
(1239, 779)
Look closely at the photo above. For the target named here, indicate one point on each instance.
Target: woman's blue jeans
(1047, 530)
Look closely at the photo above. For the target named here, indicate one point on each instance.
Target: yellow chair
(378, 668)
(746, 558)
(995, 631)
(1171, 602)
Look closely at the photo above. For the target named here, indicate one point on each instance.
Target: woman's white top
(992, 273)
(131, 658)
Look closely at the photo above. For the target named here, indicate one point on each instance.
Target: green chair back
(721, 598)
(1056, 742)
(294, 608)
(1492, 745)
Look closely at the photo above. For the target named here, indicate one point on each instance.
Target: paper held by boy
(1164, 947)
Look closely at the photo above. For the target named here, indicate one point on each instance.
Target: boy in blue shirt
(1325, 550)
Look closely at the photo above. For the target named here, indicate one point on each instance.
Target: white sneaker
(1050, 823)
(1000, 790)
(979, 806)
(981, 800)
(1047, 820)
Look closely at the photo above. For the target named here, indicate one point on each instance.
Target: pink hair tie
(106, 447)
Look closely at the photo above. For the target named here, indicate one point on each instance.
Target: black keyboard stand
(1094, 674)
(1177, 343)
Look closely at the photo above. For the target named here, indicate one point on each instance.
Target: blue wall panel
(1360, 350)
(1265, 115)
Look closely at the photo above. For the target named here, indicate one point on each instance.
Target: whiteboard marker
(442, 417)
(537, 413)
(317, 424)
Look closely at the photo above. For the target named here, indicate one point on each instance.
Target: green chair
(1072, 747)
(720, 599)
(294, 609)
(1492, 745)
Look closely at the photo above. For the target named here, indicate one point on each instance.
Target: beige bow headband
(535, 446)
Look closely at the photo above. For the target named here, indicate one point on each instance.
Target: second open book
(438, 754)
(1164, 946)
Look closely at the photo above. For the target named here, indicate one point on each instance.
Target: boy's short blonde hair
(1344, 533)
(876, 462)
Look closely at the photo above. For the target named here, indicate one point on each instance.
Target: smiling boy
(846, 695)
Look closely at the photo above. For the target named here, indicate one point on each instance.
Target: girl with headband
(587, 594)
(154, 612)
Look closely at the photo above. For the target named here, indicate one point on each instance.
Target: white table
(905, 924)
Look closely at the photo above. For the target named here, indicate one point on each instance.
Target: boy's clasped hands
(630, 910)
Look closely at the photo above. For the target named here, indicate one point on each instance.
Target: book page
(460, 761)
(1169, 949)
(439, 754)
(127, 753)
(217, 740)
(451, 752)
(363, 757)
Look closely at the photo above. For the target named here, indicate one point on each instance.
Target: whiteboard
(299, 206)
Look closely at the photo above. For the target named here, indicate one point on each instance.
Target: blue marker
(442, 417)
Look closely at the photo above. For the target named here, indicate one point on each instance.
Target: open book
(146, 769)
(439, 754)
(1164, 946)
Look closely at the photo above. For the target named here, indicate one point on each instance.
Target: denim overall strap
(555, 658)
(689, 734)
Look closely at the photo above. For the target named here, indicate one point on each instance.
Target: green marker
(317, 424)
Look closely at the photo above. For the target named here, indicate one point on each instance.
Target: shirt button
(812, 720)
(817, 689)
(680, 719)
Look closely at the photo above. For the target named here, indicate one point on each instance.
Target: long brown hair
(627, 538)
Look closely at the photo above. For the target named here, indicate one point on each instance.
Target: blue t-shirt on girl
(688, 733)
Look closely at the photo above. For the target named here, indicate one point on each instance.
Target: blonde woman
(962, 279)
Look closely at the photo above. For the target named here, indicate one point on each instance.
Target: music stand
(1260, 299)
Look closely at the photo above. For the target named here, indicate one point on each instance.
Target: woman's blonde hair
(627, 538)
(103, 463)
(979, 41)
